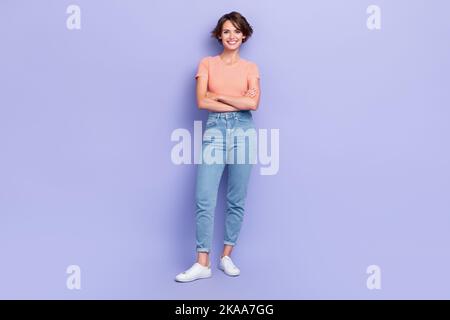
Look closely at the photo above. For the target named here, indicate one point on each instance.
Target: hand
(212, 95)
(250, 93)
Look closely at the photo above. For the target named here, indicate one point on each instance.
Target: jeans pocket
(246, 121)
(211, 122)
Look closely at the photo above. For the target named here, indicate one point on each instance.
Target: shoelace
(229, 262)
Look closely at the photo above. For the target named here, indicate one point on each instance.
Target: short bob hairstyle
(239, 23)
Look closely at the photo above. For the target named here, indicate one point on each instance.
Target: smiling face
(231, 36)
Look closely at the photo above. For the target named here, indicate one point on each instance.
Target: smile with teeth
(232, 42)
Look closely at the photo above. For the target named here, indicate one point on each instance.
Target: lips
(231, 42)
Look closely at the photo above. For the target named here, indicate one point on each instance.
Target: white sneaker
(227, 265)
(197, 271)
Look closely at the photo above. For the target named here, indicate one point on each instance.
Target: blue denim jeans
(229, 140)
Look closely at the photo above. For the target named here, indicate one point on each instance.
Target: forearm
(241, 103)
(215, 106)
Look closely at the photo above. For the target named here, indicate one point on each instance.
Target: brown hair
(239, 23)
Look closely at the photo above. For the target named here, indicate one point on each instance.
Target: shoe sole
(199, 278)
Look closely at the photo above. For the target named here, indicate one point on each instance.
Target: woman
(228, 87)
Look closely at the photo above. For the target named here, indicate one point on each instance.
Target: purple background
(86, 176)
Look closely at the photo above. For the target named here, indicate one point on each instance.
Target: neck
(230, 56)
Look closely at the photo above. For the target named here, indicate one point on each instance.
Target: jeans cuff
(203, 250)
(229, 243)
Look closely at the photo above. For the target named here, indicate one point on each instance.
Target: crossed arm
(223, 103)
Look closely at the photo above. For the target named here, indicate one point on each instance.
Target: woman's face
(231, 37)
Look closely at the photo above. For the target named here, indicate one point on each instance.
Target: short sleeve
(203, 68)
(253, 71)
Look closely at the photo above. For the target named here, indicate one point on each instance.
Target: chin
(232, 48)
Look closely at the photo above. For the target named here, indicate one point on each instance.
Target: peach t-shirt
(227, 79)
